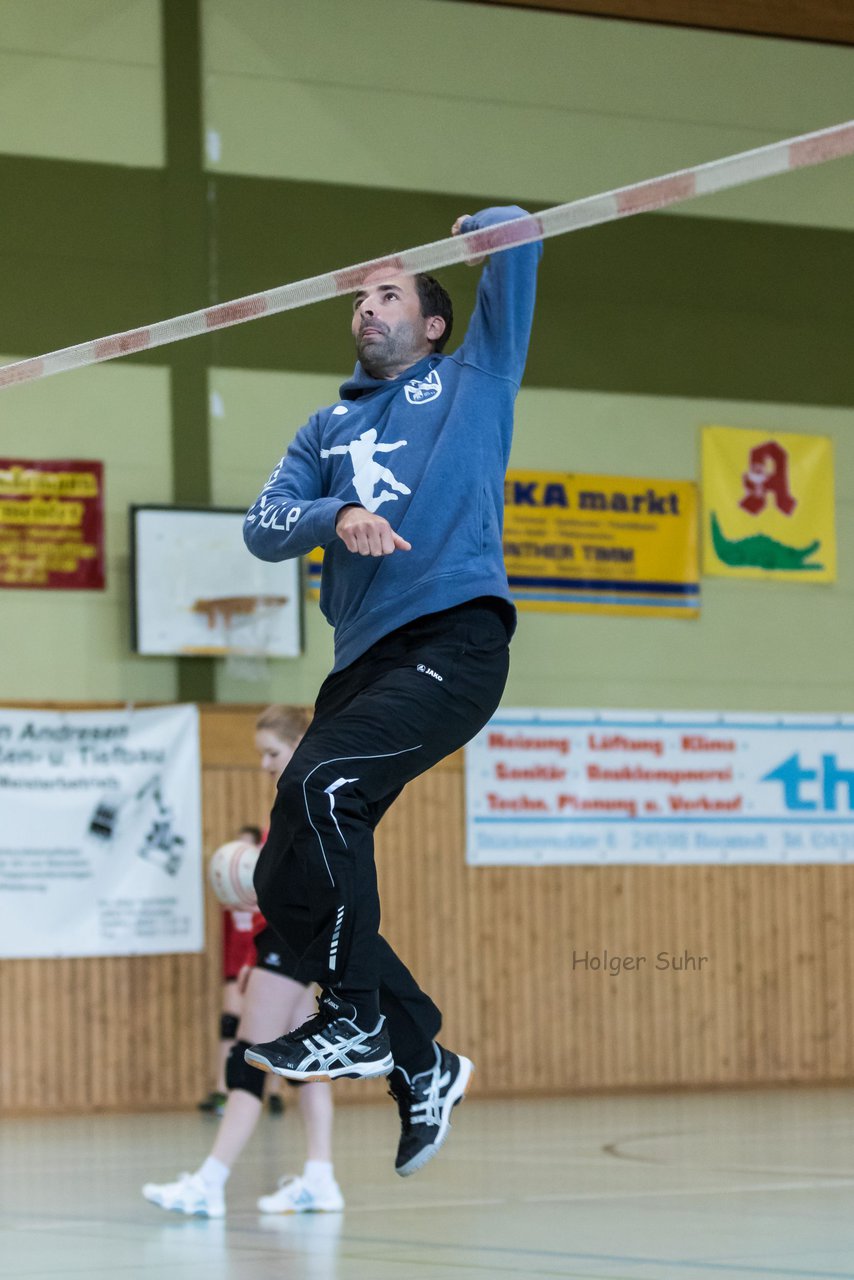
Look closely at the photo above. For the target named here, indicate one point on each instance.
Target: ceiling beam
(825, 20)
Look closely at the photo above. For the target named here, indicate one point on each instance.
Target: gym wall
(502, 950)
(158, 157)
(323, 133)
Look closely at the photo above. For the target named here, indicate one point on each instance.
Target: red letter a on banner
(762, 479)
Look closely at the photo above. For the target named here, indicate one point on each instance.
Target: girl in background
(238, 949)
(273, 1002)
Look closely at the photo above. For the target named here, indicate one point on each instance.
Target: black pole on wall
(185, 236)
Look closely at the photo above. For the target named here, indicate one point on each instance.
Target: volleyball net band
(640, 197)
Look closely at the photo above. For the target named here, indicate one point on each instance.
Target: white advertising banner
(100, 840)
(549, 787)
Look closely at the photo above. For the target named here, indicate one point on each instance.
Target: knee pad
(239, 1074)
(228, 1026)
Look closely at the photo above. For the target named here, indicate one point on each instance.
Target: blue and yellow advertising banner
(602, 544)
(768, 507)
(595, 544)
(313, 566)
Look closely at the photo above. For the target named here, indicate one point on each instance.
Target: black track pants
(417, 695)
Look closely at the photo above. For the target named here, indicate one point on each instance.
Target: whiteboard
(197, 590)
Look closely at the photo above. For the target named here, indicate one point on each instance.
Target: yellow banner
(768, 507)
(595, 544)
(601, 544)
(313, 566)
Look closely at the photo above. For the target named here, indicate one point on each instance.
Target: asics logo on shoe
(321, 1053)
(428, 671)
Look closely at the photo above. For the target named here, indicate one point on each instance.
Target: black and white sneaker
(425, 1104)
(327, 1047)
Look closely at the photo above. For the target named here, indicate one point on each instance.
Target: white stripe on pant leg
(330, 791)
(383, 755)
(333, 950)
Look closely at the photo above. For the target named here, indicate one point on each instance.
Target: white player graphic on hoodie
(367, 473)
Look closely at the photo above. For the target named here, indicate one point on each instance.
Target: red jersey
(238, 939)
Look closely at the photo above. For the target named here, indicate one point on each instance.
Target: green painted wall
(425, 95)
(76, 644)
(756, 646)
(336, 132)
(81, 80)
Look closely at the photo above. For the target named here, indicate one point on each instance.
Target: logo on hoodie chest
(423, 390)
(369, 475)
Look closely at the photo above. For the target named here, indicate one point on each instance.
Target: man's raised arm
(500, 327)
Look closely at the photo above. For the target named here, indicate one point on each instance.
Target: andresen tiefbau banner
(100, 842)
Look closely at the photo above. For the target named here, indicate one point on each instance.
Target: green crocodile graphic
(762, 552)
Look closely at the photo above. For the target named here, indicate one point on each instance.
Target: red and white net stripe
(640, 197)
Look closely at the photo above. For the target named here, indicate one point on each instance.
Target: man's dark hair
(435, 302)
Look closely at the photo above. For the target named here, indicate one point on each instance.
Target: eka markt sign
(602, 544)
(551, 787)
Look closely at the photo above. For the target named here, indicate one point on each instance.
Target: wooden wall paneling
(684, 989)
(836, 977)
(494, 946)
(722, 889)
(828, 964)
(761, 963)
(596, 931)
(795, 1033)
(791, 1022)
(483, 981)
(811, 986)
(571, 889)
(107, 1003)
(546, 948)
(795, 1021)
(757, 927)
(639, 1043)
(726, 886)
(663, 926)
(582, 907)
(713, 1014)
(607, 989)
(444, 887)
(734, 888)
(825, 20)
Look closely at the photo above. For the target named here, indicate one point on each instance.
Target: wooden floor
(740, 1186)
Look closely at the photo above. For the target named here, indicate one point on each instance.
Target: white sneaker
(296, 1196)
(190, 1194)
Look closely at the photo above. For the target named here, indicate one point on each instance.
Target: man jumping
(423, 618)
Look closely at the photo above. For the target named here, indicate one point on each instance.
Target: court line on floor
(613, 1149)
(494, 1251)
(812, 1185)
(621, 1259)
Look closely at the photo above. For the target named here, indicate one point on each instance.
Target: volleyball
(230, 873)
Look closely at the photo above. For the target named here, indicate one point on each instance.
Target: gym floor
(739, 1185)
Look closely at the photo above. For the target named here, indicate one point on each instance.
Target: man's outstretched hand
(367, 534)
(457, 230)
